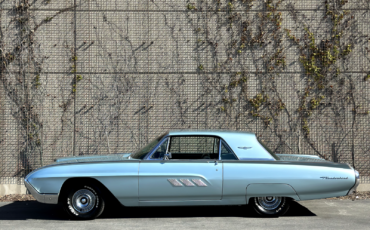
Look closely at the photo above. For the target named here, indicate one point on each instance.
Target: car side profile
(191, 168)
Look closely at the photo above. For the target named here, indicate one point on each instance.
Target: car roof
(220, 133)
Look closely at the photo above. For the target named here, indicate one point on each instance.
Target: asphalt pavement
(316, 214)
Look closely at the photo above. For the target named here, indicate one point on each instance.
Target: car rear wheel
(84, 201)
(271, 205)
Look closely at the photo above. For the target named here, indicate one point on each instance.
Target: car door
(193, 173)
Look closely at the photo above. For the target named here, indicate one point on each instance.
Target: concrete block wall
(139, 68)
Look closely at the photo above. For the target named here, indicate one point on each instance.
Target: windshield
(268, 150)
(142, 152)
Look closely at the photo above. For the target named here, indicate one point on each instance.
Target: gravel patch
(16, 197)
(357, 195)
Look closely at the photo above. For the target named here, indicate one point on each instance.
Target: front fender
(120, 178)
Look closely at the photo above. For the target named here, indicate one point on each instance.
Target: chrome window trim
(148, 156)
(169, 142)
(219, 148)
(227, 145)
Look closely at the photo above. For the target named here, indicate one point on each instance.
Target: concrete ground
(317, 214)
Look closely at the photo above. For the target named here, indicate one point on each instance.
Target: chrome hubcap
(268, 203)
(83, 201)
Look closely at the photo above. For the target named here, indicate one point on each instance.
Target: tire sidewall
(279, 211)
(94, 212)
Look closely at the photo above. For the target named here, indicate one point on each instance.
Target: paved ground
(318, 214)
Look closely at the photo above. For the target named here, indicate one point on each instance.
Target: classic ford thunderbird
(182, 168)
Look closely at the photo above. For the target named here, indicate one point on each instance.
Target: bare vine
(21, 70)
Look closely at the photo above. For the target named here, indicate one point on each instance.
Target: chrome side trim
(199, 182)
(187, 182)
(175, 182)
(42, 198)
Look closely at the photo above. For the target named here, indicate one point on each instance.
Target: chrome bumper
(353, 189)
(42, 198)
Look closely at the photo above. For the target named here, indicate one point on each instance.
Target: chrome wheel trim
(269, 203)
(83, 201)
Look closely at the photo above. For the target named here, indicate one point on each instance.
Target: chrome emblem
(244, 148)
(334, 178)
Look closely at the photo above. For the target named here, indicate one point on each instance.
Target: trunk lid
(297, 157)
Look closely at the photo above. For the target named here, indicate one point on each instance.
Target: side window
(226, 152)
(161, 150)
(194, 147)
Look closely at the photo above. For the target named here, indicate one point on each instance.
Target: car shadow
(296, 209)
(26, 210)
(34, 210)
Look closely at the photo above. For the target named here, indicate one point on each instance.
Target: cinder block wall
(107, 76)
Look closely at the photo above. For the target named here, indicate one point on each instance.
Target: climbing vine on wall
(21, 77)
(320, 60)
(263, 35)
(267, 66)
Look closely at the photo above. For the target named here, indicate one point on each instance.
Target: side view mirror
(167, 156)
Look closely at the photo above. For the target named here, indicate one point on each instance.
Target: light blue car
(182, 168)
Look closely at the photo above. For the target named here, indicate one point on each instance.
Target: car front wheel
(271, 205)
(83, 201)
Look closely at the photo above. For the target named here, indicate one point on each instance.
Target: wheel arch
(270, 189)
(69, 182)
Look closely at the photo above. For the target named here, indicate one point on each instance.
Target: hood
(297, 157)
(92, 158)
(86, 159)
